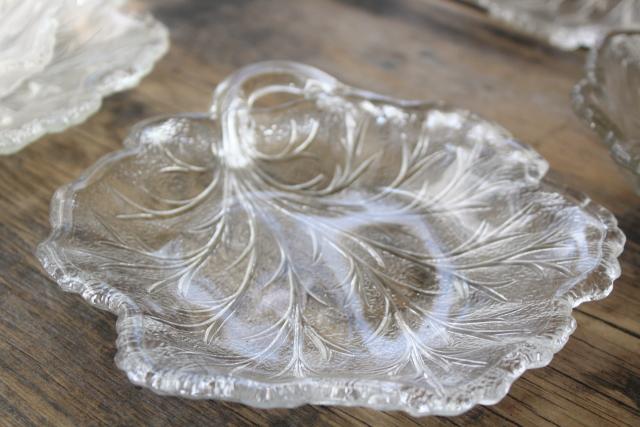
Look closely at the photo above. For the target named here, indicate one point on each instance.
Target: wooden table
(56, 351)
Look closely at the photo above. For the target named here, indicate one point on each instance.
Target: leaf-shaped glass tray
(565, 24)
(308, 242)
(59, 58)
(608, 98)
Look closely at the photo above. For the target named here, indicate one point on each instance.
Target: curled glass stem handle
(235, 99)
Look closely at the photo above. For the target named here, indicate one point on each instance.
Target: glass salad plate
(309, 242)
(59, 58)
(566, 24)
(608, 98)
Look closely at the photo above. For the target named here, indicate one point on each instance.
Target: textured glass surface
(566, 24)
(59, 58)
(308, 242)
(608, 98)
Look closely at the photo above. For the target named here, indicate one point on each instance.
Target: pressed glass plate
(608, 98)
(566, 24)
(59, 58)
(308, 242)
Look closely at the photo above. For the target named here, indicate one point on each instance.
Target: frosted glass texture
(566, 24)
(59, 58)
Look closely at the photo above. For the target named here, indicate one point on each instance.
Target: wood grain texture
(56, 351)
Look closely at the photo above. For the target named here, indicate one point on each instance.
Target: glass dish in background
(608, 98)
(565, 24)
(58, 59)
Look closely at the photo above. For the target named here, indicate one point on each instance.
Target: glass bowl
(59, 58)
(608, 98)
(309, 242)
(565, 24)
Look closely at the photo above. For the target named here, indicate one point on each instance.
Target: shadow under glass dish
(308, 242)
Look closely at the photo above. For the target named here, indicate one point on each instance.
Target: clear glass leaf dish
(58, 59)
(308, 242)
(565, 24)
(608, 98)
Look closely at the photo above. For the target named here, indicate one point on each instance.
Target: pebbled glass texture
(58, 59)
(566, 24)
(308, 242)
(608, 98)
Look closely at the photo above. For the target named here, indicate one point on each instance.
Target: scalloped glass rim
(15, 137)
(564, 37)
(599, 120)
(488, 388)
